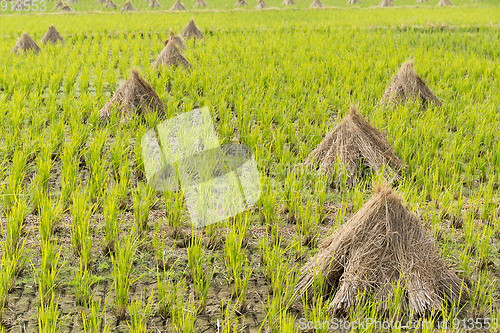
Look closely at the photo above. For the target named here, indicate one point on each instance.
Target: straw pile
(420, 1)
(170, 56)
(26, 44)
(133, 96)
(52, 36)
(58, 5)
(178, 6)
(101, 2)
(352, 2)
(261, 5)
(67, 9)
(200, 3)
(154, 4)
(240, 3)
(356, 144)
(191, 31)
(407, 85)
(110, 4)
(443, 3)
(365, 257)
(128, 7)
(21, 5)
(317, 4)
(386, 3)
(177, 40)
(288, 2)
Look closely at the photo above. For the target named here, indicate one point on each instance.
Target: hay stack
(20, 5)
(240, 3)
(316, 4)
(154, 4)
(200, 3)
(52, 36)
(170, 56)
(133, 96)
(381, 243)
(26, 43)
(443, 3)
(128, 7)
(177, 40)
(356, 143)
(261, 5)
(110, 4)
(420, 1)
(178, 6)
(67, 9)
(191, 31)
(101, 2)
(288, 2)
(386, 3)
(407, 85)
(58, 5)
(352, 2)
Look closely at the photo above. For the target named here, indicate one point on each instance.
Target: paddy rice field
(87, 246)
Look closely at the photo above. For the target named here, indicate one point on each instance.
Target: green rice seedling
(122, 261)
(123, 183)
(139, 311)
(235, 260)
(268, 201)
(95, 322)
(48, 274)
(13, 188)
(320, 186)
(230, 323)
(119, 151)
(6, 272)
(484, 246)
(174, 210)
(170, 293)
(213, 235)
(40, 181)
(95, 161)
(291, 197)
(12, 243)
(200, 269)
(307, 222)
(49, 213)
(184, 316)
(69, 171)
(144, 200)
(81, 241)
(110, 210)
(394, 311)
(83, 280)
(48, 314)
(287, 323)
(481, 294)
(357, 195)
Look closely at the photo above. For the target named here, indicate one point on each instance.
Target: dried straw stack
(355, 143)
(317, 4)
(405, 86)
(171, 56)
(177, 40)
(191, 31)
(52, 36)
(133, 96)
(26, 44)
(178, 6)
(383, 243)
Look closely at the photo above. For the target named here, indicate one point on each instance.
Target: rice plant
(81, 241)
(139, 311)
(201, 270)
(122, 261)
